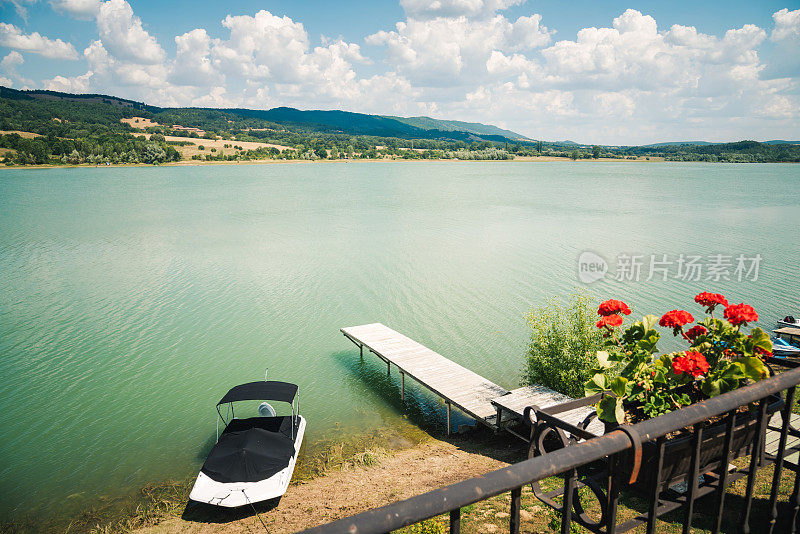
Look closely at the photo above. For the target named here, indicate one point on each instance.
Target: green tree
(563, 346)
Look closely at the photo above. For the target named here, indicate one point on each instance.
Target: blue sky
(606, 72)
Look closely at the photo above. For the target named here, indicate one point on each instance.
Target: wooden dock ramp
(457, 385)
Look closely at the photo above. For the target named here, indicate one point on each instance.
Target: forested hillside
(46, 127)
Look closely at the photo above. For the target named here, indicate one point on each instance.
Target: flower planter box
(678, 450)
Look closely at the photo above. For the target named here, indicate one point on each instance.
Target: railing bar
(776, 477)
(516, 497)
(455, 521)
(724, 469)
(694, 474)
(652, 514)
(566, 508)
(431, 504)
(754, 457)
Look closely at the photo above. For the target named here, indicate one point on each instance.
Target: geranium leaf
(649, 322)
(596, 384)
(610, 410)
(754, 368)
(618, 385)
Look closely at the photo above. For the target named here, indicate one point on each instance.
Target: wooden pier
(456, 385)
(485, 401)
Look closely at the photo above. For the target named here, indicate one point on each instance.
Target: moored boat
(253, 458)
(789, 322)
(786, 342)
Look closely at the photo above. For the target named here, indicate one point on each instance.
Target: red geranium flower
(740, 314)
(609, 321)
(763, 353)
(612, 306)
(693, 363)
(710, 300)
(676, 319)
(695, 332)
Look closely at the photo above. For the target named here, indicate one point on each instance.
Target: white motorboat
(253, 458)
(789, 322)
(786, 342)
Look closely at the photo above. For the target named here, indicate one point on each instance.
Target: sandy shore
(402, 474)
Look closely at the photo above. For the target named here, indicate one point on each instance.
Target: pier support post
(448, 418)
(402, 386)
(388, 368)
(361, 351)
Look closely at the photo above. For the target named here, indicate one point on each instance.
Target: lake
(131, 299)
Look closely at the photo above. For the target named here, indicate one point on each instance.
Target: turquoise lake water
(131, 299)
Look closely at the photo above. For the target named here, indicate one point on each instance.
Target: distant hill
(706, 143)
(428, 123)
(41, 94)
(680, 143)
(333, 121)
(336, 121)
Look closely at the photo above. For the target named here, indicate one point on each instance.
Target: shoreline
(355, 487)
(198, 163)
(367, 481)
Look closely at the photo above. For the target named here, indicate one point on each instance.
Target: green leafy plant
(641, 384)
(563, 343)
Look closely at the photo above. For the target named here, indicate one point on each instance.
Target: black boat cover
(248, 455)
(269, 390)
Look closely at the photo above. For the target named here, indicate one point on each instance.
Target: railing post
(694, 474)
(754, 459)
(652, 513)
(566, 510)
(455, 521)
(795, 501)
(613, 493)
(724, 469)
(516, 497)
(776, 477)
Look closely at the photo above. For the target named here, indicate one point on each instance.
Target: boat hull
(235, 494)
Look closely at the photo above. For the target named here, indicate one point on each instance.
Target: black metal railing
(620, 451)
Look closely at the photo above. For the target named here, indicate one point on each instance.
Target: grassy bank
(167, 499)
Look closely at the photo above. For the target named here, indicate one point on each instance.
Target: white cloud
(75, 84)
(5, 81)
(12, 37)
(427, 9)
(123, 35)
(192, 65)
(11, 61)
(448, 51)
(19, 6)
(277, 50)
(81, 9)
(787, 25)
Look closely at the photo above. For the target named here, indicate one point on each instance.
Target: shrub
(564, 341)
